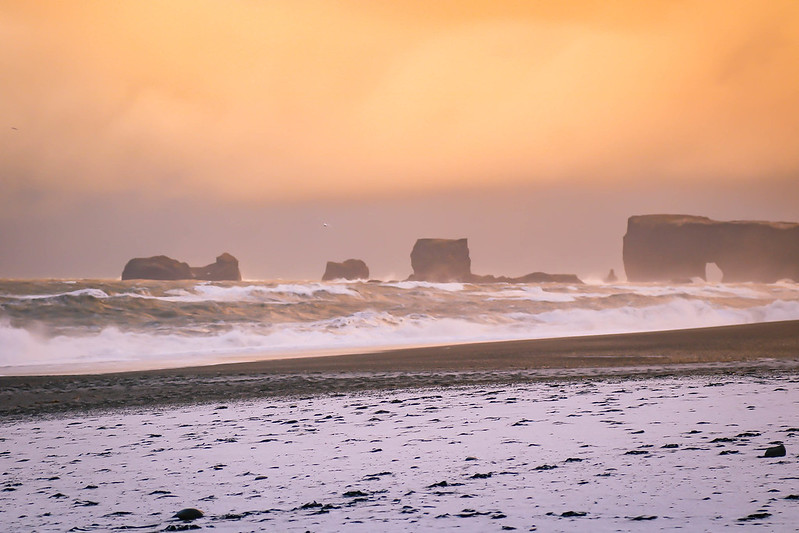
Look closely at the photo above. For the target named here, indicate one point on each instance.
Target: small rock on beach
(775, 451)
(189, 514)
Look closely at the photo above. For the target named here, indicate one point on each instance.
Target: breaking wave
(156, 324)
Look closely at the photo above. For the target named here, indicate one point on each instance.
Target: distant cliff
(669, 247)
(445, 260)
(161, 267)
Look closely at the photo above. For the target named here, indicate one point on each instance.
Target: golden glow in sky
(283, 100)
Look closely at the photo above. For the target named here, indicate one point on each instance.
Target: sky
(533, 128)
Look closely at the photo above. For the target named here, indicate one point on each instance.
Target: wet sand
(728, 349)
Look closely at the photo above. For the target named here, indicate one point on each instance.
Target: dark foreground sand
(773, 345)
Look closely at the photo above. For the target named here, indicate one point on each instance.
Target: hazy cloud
(270, 101)
(190, 127)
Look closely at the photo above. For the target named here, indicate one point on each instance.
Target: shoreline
(722, 349)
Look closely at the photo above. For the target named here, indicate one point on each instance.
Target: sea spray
(46, 324)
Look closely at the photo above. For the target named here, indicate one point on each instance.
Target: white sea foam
(697, 290)
(94, 293)
(237, 293)
(449, 287)
(677, 314)
(21, 347)
(531, 293)
(207, 292)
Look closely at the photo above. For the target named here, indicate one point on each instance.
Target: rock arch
(677, 247)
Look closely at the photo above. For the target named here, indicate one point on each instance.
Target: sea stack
(350, 269)
(161, 267)
(226, 268)
(441, 261)
(669, 247)
(447, 260)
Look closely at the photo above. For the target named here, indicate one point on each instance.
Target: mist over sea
(71, 326)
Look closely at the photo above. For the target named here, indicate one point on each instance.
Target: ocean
(95, 326)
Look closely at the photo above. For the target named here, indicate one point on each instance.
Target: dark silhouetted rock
(668, 247)
(611, 277)
(226, 268)
(162, 267)
(159, 267)
(775, 451)
(447, 260)
(189, 514)
(349, 269)
(441, 260)
(535, 277)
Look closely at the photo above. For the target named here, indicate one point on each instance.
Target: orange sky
(275, 100)
(193, 127)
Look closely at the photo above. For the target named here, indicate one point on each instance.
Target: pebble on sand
(775, 451)
(189, 514)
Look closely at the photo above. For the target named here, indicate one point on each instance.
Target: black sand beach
(725, 349)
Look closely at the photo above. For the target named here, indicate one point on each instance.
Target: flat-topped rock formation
(441, 260)
(669, 247)
(350, 269)
(447, 260)
(158, 267)
(161, 267)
